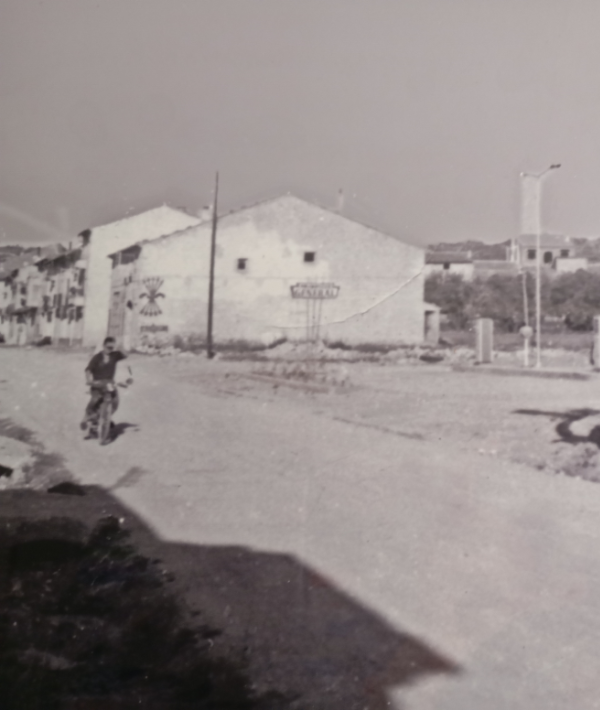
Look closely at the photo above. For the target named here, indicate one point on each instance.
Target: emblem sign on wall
(151, 307)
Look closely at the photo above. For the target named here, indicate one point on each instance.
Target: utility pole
(537, 181)
(525, 299)
(211, 279)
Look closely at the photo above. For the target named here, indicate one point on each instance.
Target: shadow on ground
(303, 642)
(120, 428)
(566, 420)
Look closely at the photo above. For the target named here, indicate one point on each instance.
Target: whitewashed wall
(108, 239)
(380, 279)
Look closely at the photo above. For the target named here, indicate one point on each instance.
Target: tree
(576, 298)
(453, 295)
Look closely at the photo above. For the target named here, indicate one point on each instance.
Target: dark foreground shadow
(565, 420)
(298, 633)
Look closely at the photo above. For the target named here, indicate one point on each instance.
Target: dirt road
(490, 565)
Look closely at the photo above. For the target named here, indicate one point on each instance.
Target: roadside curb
(529, 372)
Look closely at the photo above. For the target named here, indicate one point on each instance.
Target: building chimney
(205, 213)
(340, 201)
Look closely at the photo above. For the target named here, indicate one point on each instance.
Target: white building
(267, 257)
(449, 262)
(552, 247)
(112, 237)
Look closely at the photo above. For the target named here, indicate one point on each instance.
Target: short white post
(526, 331)
(484, 348)
(596, 343)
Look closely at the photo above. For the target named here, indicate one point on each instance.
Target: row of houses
(556, 257)
(283, 268)
(42, 296)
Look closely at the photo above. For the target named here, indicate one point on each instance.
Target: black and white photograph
(299, 355)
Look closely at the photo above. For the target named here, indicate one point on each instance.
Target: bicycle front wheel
(105, 415)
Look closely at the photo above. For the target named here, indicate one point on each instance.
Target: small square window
(309, 257)
(446, 266)
(531, 254)
(242, 264)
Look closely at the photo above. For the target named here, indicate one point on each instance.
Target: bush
(453, 294)
(576, 297)
(189, 343)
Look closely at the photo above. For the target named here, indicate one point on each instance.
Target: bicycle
(102, 421)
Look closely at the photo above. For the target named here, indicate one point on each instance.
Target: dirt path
(491, 566)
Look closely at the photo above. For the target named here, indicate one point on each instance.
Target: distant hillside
(478, 249)
(582, 246)
(10, 250)
(7, 251)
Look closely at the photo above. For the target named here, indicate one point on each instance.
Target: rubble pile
(16, 459)
(308, 372)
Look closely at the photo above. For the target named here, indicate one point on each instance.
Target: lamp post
(538, 263)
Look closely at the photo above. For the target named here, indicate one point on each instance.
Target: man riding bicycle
(99, 373)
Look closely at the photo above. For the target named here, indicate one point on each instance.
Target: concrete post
(484, 343)
(596, 343)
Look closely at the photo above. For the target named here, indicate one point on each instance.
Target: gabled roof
(163, 213)
(313, 203)
(252, 206)
(448, 257)
(547, 241)
(146, 226)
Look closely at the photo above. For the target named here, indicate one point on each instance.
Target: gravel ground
(547, 424)
(403, 538)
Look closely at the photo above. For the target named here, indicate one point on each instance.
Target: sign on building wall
(314, 294)
(151, 308)
(315, 290)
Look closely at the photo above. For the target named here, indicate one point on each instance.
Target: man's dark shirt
(102, 370)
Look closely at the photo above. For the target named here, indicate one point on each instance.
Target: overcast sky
(424, 111)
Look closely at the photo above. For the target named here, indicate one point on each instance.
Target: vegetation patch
(308, 372)
(569, 301)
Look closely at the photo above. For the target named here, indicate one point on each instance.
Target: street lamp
(538, 266)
